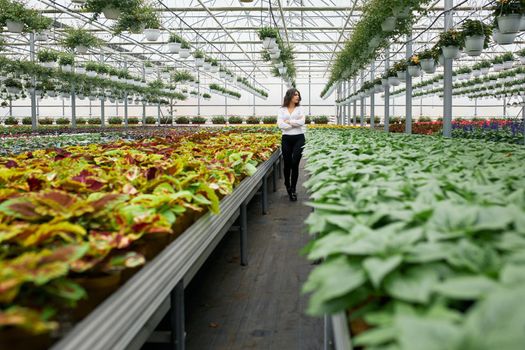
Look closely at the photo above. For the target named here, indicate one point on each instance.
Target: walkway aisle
(259, 306)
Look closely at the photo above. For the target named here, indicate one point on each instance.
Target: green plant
(136, 20)
(81, 121)
(115, 121)
(268, 32)
(175, 38)
(45, 121)
(63, 121)
(37, 22)
(308, 119)
(47, 55)
(509, 7)
(182, 120)
(253, 120)
(471, 28)
(321, 120)
(166, 120)
(27, 121)
(507, 56)
(133, 121)
(94, 121)
(185, 45)
(151, 120)
(12, 82)
(66, 59)
(96, 6)
(198, 120)
(270, 120)
(198, 54)
(76, 37)
(218, 120)
(11, 121)
(206, 95)
(451, 38)
(235, 120)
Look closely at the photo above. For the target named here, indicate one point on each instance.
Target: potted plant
(269, 36)
(110, 8)
(218, 120)
(414, 68)
(47, 58)
(214, 65)
(401, 70)
(235, 120)
(184, 51)
(38, 23)
(521, 55)
(199, 58)
(508, 60)
(80, 40)
(14, 15)
(497, 64)
(427, 60)
(66, 60)
(508, 15)
(91, 69)
(13, 86)
(476, 35)
(207, 64)
(174, 43)
(206, 96)
(152, 23)
(389, 24)
(451, 43)
(182, 120)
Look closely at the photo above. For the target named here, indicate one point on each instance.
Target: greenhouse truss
(142, 140)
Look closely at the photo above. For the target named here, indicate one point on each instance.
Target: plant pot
(503, 39)
(428, 65)
(508, 64)
(48, 64)
(81, 49)
(173, 47)
(441, 60)
(80, 70)
(51, 93)
(474, 45)
(385, 83)
(509, 23)
(149, 70)
(14, 27)
(214, 69)
(91, 73)
(67, 68)
(184, 53)
(111, 13)
(81, 96)
(207, 66)
(393, 81)
(401, 13)
(269, 43)
(414, 71)
(476, 73)
(498, 67)
(41, 37)
(199, 61)
(389, 24)
(485, 71)
(450, 52)
(152, 34)
(401, 75)
(522, 60)
(522, 23)
(12, 90)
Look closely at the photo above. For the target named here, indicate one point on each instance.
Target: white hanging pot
(149, 70)
(222, 74)
(14, 27)
(428, 65)
(64, 95)
(184, 53)
(522, 60)
(269, 43)
(522, 23)
(199, 61)
(474, 45)
(12, 90)
(214, 69)
(41, 37)
(92, 97)
(48, 64)
(401, 13)
(476, 73)
(81, 96)
(151, 34)
(81, 50)
(207, 66)
(91, 73)
(503, 39)
(111, 12)
(509, 23)
(485, 71)
(389, 24)
(394, 81)
(450, 52)
(385, 83)
(401, 75)
(498, 67)
(173, 47)
(414, 71)
(508, 64)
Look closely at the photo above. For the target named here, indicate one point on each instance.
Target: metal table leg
(274, 177)
(177, 317)
(264, 195)
(243, 229)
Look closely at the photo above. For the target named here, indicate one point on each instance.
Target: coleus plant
(84, 209)
(425, 244)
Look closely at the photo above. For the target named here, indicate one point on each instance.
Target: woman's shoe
(293, 196)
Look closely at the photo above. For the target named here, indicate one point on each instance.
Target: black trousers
(292, 148)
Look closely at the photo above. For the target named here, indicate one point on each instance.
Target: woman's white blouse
(297, 121)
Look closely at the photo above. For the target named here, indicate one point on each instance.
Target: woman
(291, 120)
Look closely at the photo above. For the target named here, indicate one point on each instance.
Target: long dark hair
(289, 95)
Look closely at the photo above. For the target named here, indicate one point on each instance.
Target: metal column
(387, 93)
(225, 104)
(354, 117)
(243, 230)
(362, 100)
(372, 98)
(199, 93)
(126, 101)
(34, 122)
(73, 106)
(408, 89)
(177, 317)
(310, 84)
(143, 103)
(447, 77)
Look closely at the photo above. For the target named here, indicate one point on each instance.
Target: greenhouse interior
(248, 174)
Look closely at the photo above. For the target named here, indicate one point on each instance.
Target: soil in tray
(17, 339)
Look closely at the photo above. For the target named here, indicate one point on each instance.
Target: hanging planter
(428, 65)
(503, 39)
(389, 25)
(14, 26)
(509, 23)
(184, 51)
(393, 81)
(41, 37)
(401, 12)
(474, 45)
(199, 58)
(47, 58)
(152, 34)
(450, 52)
(151, 22)
(269, 36)
(111, 12)
(79, 40)
(414, 71)
(384, 82)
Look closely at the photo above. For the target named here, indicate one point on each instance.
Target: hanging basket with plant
(476, 35)
(47, 58)
(174, 43)
(151, 22)
(79, 40)
(199, 58)
(111, 9)
(450, 43)
(508, 15)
